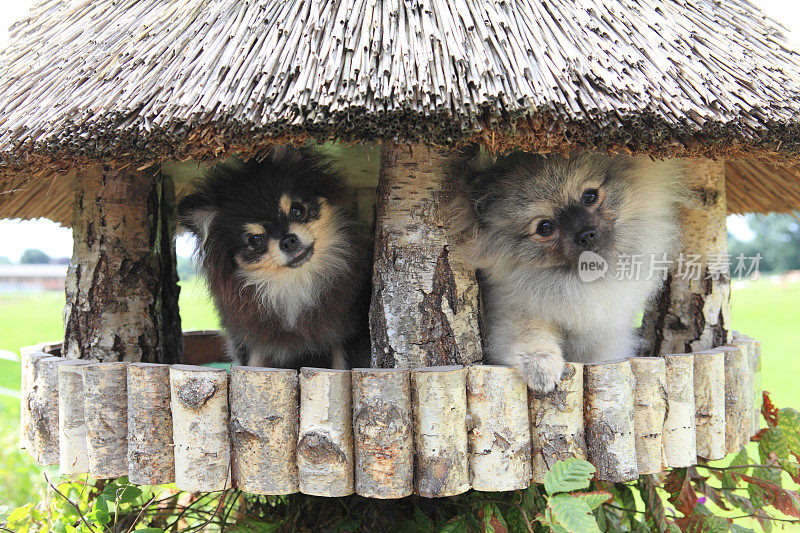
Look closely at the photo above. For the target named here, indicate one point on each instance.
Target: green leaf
(736, 528)
(593, 499)
(159, 530)
(101, 504)
(740, 459)
(572, 513)
(773, 441)
(20, 513)
(128, 494)
(568, 475)
(789, 422)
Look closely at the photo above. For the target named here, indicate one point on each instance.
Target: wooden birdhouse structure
(109, 108)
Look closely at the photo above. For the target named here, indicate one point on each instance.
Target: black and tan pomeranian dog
(285, 260)
(531, 224)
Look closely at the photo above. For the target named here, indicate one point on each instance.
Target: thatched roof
(147, 81)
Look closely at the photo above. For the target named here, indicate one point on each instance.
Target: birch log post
(758, 401)
(199, 402)
(439, 402)
(151, 459)
(608, 415)
(72, 450)
(680, 445)
(325, 445)
(264, 425)
(498, 429)
(105, 408)
(42, 406)
(424, 308)
(557, 429)
(649, 412)
(709, 403)
(737, 414)
(28, 376)
(384, 443)
(748, 347)
(693, 310)
(121, 287)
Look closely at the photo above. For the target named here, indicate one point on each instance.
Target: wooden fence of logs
(384, 433)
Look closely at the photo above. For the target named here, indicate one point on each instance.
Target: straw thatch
(141, 82)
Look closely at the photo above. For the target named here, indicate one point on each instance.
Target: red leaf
(682, 495)
(769, 410)
(786, 501)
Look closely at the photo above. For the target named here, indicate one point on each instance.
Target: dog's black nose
(586, 238)
(289, 243)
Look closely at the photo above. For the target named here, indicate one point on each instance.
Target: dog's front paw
(542, 371)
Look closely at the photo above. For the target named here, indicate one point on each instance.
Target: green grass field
(763, 309)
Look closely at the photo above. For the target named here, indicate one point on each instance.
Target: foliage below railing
(709, 497)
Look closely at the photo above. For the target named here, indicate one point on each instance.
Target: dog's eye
(297, 210)
(256, 241)
(545, 228)
(589, 196)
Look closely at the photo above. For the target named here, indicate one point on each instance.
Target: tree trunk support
(122, 292)
(693, 310)
(425, 303)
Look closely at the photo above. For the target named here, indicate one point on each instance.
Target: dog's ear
(196, 212)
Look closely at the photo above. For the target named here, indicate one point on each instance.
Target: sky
(17, 236)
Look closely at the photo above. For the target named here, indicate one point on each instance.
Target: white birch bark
(694, 310)
(557, 428)
(264, 429)
(439, 399)
(325, 445)
(73, 453)
(709, 401)
(29, 355)
(649, 412)
(737, 415)
(610, 434)
(105, 408)
(680, 445)
(41, 429)
(498, 429)
(424, 309)
(199, 401)
(384, 443)
(151, 458)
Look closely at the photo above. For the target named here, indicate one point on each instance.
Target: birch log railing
(383, 433)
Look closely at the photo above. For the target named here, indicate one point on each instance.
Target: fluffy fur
(286, 263)
(539, 311)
